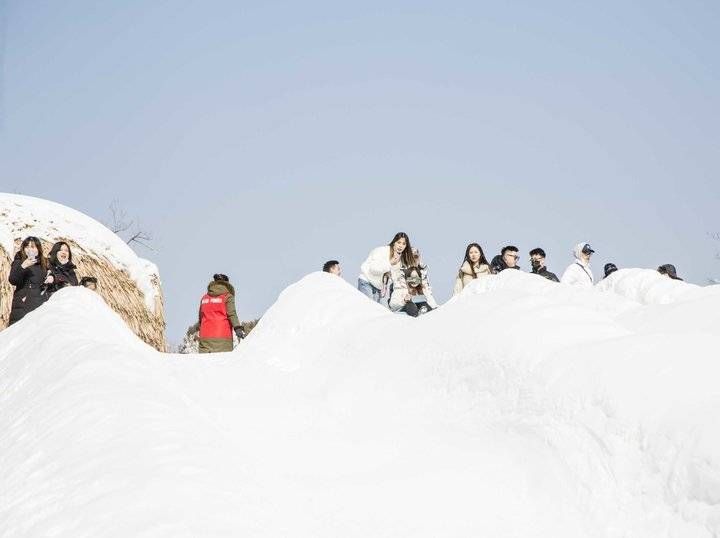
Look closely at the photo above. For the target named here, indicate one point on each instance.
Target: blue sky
(261, 139)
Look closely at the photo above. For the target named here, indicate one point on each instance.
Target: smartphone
(419, 299)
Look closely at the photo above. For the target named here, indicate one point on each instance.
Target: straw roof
(137, 300)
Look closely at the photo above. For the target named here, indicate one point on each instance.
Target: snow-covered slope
(22, 216)
(520, 409)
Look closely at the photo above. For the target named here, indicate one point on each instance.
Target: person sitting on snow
(218, 317)
(412, 293)
(507, 259)
(537, 260)
(579, 272)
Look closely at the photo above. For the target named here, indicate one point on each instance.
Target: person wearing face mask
(28, 273)
(377, 271)
(411, 295)
(474, 265)
(537, 260)
(61, 268)
(579, 272)
(507, 259)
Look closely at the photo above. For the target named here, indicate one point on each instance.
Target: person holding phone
(61, 268)
(28, 273)
(412, 294)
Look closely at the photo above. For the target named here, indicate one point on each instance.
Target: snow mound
(21, 216)
(521, 408)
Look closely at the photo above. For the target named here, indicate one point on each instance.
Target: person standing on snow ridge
(218, 317)
(537, 260)
(579, 272)
(61, 268)
(28, 273)
(507, 259)
(474, 265)
(382, 263)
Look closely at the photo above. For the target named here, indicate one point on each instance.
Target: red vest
(214, 322)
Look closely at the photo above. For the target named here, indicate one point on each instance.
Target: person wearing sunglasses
(579, 272)
(507, 259)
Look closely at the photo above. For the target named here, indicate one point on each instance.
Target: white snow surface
(22, 216)
(522, 408)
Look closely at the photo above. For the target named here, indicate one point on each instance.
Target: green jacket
(219, 345)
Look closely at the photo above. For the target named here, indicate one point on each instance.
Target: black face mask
(537, 264)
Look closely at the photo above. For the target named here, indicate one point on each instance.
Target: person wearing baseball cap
(609, 269)
(579, 272)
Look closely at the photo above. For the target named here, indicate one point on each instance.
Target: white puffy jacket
(377, 265)
(578, 273)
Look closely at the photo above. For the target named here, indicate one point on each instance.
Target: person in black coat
(61, 267)
(507, 259)
(537, 260)
(28, 273)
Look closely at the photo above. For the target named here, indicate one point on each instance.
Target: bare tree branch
(119, 218)
(141, 237)
(122, 226)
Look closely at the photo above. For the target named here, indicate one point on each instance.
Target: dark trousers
(413, 309)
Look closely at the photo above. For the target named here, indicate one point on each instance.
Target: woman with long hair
(377, 270)
(411, 293)
(474, 265)
(28, 273)
(61, 267)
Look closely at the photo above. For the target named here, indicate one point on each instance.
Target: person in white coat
(382, 263)
(579, 272)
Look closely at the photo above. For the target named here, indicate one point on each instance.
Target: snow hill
(522, 408)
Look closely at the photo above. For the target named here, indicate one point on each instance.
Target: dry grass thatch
(120, 292)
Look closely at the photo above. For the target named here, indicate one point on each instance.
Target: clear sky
(260, 139)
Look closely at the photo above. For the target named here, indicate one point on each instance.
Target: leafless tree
(130, 231)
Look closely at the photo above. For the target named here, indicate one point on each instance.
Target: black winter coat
(28, 289)
(498, 264)
(64, 275)
(543, 272)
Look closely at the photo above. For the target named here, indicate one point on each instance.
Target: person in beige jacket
(474, 265)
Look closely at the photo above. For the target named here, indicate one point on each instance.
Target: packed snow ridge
(22, 216)
(522, 408)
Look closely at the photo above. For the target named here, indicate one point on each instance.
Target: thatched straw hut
(129, 285)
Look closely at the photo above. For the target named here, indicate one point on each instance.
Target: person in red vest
(218, 317)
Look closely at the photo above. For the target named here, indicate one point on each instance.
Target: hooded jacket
(579, 272)
(217, 288)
